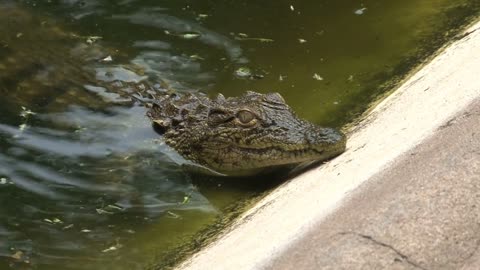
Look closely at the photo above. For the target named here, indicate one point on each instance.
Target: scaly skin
(242, 135)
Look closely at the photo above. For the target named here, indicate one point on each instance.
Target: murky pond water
(85, 183)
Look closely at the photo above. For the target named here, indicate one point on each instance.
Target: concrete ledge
(426, 101)
(422, 212)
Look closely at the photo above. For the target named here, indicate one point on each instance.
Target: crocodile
(240, 136)
(235, 136)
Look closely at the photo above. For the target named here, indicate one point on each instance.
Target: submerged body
(243, 135)
(225, 136)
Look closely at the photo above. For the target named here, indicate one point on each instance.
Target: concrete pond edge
(414, 112)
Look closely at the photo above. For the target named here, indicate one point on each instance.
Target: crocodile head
(244, 135)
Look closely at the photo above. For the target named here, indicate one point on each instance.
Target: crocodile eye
(246, 117)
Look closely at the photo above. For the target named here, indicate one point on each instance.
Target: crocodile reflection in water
(233, 136)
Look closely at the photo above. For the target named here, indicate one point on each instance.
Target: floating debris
(246, 73)
(173, 215)
(53, 221)
(22, 127)
(18, 255)
(26, 112)
(301, 40)
(114, 207)
(19, 35)
(243, 72)
(107, 59)
(69, 226)
(244, 37)
(86, 231)
(103, 212)
(350, 78)
(186, 199)
(191, 35)
(3, 181)
(196, 57)
(317, 77)
(57, 221)
(185, 35)
(292, 8)
(360, 11)
(202, 16)
(80, 129)
(92, 39)
(257, 76)
(113, 248)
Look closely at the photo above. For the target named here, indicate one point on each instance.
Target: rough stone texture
(422, 212)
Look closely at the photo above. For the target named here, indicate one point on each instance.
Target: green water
(86, 184)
